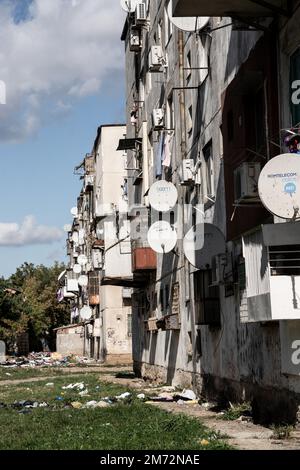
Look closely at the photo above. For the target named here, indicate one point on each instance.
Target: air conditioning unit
(134, 40)
(219, 262)
(88, 182)
(187, 176)
(158, 119)
(156, 59)
(140, 14)
(246, 181)
(72, 285)
(127, 292)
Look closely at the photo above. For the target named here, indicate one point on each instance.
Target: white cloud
(28, 233)
(61, 51)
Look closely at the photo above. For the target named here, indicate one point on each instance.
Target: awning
(128, 144)
(245, 8)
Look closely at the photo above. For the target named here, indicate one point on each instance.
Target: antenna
(279, 186)
(187, 23)
(129, 5)
(202, 243)
(162, 238)
(163, 196)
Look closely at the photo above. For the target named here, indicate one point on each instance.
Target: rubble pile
(45, 359)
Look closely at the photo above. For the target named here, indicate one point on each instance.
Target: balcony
(143, 258)
(245, 8)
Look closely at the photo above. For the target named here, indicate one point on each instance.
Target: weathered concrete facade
(100, 257)
(225, 94)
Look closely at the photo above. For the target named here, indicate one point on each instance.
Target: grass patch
(236, 411)
(282, 431)
(123, 426)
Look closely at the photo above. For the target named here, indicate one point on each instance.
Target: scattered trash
(187, 395)
(59, 398)
(123, 396)
(141, 396)
(204, 442)
(50, 384)
(45, 359)
(84, 393)
(78, 386)
(7, 373)
(90, 404)
(76, 404)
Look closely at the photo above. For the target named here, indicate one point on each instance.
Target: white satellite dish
(86, 313)
(77, 268)
(187, 23)
(202, 243)
(67, 228)
(163, 196)
(74, 211)
(75, 237)
(162, 238)
(129, 5)
(279, 186)
(82, 260)
(83, 281)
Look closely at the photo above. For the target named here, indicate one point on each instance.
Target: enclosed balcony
(143, 257)
(246, 8)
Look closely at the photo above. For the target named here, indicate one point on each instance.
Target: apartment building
(98, 280)
(207, 108)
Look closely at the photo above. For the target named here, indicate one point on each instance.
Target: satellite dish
(279, 186)
(77, 268)
(83, 281)
(202, 243)
(82, 260)
(74, 211)
(67, 228)
(86, 313)
(187, 23)
(163, 196)
(162, 237)
(75, 237)
(129, 5)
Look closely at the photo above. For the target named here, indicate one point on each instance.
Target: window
(189, 65)
(207, 299)
(94, 288)
(209, 189)
(189, 123)
(294, 87)
(168, 26)
(230, 126)
(170, 112)
(260, 121)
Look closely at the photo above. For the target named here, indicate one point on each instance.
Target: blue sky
(36, 177)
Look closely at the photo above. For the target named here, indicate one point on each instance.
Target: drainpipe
(181, 94)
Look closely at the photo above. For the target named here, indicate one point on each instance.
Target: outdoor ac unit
(187, 172)
(88, 182)
(134, 40)
(219, 263)
(72, 285)
(127, 293)
(140, 13)
(156, 59)
(158, 119)
(246, 181)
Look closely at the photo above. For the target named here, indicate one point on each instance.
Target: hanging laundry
(159, 155)
(167, 150)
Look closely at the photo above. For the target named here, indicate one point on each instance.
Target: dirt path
(72, 371)
(242, 435)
